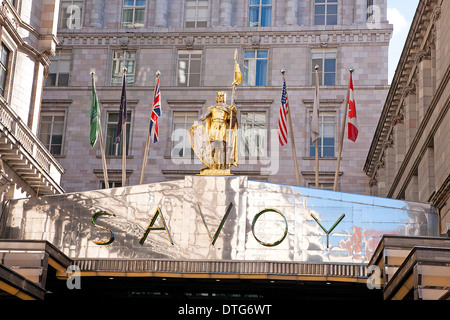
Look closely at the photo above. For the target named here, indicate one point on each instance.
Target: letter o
(266, 244)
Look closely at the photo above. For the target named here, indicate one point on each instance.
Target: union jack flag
(282, 121)
(156, 113)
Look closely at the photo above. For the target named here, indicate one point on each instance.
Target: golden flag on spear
(237, 70)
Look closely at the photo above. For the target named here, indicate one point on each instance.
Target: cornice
(415, 50)
(277, 36)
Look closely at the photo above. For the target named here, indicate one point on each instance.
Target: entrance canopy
(216, 219)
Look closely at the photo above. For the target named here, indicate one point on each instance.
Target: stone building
(192, 43)
(408, 158)
(28, 39)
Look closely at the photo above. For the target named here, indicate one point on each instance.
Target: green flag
(95, 113)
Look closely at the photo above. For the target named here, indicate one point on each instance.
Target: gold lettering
(222, 222)
(112, 236)
(151, 227)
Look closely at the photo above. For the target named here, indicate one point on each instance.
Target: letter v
(225, 217)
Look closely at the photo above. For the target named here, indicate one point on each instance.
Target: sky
(400, 14)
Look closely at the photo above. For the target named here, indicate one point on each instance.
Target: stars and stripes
(282, 121)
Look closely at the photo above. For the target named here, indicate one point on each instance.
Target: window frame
(326, 15)
(247, 154)
(133, 7)
(110, 136)
(189, 72)
(57, 59)
(332, 55)
(116, 78)
(53, 114)
(247, 71)
(322, 123)
(4, 69)
(187, 126)
(62, 22)
(196, 20)
(260, 7)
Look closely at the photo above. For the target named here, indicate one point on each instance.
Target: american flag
(156, 113)
(282, 121)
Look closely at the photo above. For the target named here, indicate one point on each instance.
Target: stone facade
(409, 155)
(28, 39)
(157, 37)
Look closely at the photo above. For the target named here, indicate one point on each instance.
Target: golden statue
(214, 137)
(213, 141)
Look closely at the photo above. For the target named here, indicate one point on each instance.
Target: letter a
(151, 227)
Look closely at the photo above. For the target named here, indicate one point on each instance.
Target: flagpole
(147, 144)
(102, 149)
(317, 140)
(124, 142)
(294, 153)
(341, 142)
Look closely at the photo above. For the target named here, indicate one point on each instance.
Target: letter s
(112, 236)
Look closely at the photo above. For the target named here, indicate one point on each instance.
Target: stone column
(97, 8)
(161, 13)
(291, 12)
(360, 11)
(225, 12)
(424, 82)
(411, 118)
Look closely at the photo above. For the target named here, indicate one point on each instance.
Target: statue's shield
(200, 143)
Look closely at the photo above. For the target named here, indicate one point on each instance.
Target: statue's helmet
(221, 97)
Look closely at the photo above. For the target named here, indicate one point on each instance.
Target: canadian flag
(352, 121)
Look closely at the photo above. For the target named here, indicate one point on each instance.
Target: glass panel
(128, 3)
(139, 17)
(63, 79)
(332, 9)
(127, 18)
(319, 9)
(262, 54)
(330, 65)
(332, 20)
(319, 20)
(266, 16)
(194, 80)
(329, 79)
(254, 17)
(261, 73)
(140, 3)
(249, 54)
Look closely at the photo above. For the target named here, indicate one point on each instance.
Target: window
(196, 13)
(51, 131)
(189, 68)
(327, 133)
(255, 67)
(112, 149)
(325, 12)
(133, 13)
(182, 123)
(112, 184)
(4, 61)
(123, 59)
(59, 70)
(70, 14)
(322, 185)
(254, 133)
(326, 60)
(260, 13)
